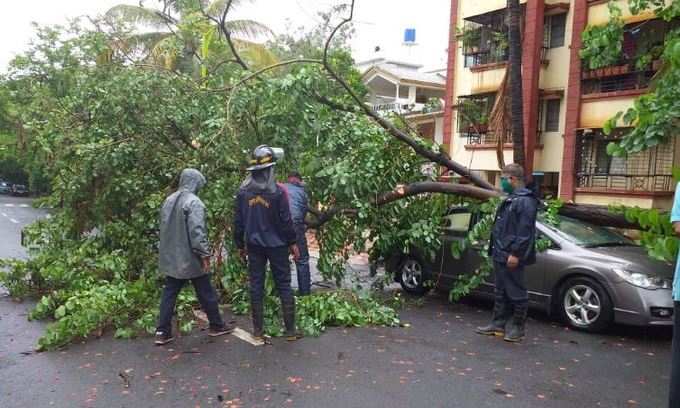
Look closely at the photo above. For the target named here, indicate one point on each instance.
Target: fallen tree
(115, 129)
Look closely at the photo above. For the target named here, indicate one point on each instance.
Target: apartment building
(565, 104)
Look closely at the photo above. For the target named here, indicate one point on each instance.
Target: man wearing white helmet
(263, 232)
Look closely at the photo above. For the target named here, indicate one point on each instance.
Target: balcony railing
(617, 78)
(646, 171)
(626, 182)
(473, 59)
(400, 108)
(484, 137)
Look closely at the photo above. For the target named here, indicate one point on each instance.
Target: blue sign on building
(410, 35)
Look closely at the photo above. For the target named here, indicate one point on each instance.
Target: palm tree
(515, 79)
(183, 35)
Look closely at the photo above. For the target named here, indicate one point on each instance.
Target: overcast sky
(378, 23)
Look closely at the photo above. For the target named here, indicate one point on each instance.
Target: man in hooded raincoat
(263, 232)
(184, 255)
(512, 247)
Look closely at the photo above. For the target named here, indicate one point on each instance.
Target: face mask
(506, 186)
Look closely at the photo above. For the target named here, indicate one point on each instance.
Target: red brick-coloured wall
(573, 103)
(531, 71)
(450, 74)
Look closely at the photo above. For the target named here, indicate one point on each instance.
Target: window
(555, 27)
(403, 92)
(458, 222)
(552, 115)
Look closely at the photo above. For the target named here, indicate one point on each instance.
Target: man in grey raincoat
(185, 255)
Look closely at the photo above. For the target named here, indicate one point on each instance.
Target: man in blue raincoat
(512, 247)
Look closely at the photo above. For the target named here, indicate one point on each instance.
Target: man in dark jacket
(263, 232)
(512, 248)
(298, 210)
(184, 255)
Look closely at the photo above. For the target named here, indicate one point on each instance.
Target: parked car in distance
(590, 276)
(19, 190)
(5, 188)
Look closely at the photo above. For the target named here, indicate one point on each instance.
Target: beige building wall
(599, 13)
(554, 77)
(594, 114)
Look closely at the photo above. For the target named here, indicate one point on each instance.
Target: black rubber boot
(288, 308)
(257, 309)
(501, 312)
(515, 331)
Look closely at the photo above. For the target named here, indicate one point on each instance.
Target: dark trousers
(674, 394)
(280, 266)
(304, 278)
(510, 284)
(204, 292)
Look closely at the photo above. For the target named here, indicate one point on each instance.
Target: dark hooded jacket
(514, 229)
(184, 236)
(262, 218)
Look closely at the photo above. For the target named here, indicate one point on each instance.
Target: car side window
(543, 242)
(457, 222)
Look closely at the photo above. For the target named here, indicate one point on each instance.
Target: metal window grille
(646, 171)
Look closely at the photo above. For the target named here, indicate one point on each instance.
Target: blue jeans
(302, 265)
(204, 292)
(674, 394)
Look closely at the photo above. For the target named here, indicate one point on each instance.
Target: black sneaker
(163, 338)
(220, 331)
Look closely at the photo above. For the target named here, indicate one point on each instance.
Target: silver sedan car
(589, 276)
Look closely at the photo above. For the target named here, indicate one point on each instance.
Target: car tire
(585, 305)
(412, 275)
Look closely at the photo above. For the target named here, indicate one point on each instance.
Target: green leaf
(60, 312)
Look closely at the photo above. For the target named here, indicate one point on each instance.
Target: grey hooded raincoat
(184, 236)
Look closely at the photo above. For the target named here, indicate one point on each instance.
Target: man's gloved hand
(295, 251)
(243, 254)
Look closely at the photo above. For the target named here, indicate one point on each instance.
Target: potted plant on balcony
(470, 38)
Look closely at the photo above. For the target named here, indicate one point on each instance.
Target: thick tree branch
(593, 214)
(227, 35)
(405, 191)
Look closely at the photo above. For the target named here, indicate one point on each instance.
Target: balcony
(649, 171)
(642, 48)
(484, 39)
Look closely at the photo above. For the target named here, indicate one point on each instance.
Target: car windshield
(587, 235)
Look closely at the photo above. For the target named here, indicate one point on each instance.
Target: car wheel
(585, 305)
(411, 275)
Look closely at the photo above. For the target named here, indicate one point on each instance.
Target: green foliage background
(114, 133)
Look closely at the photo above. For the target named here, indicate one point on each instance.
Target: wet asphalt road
(437, 361)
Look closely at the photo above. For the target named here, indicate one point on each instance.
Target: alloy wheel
(412, 274)
(582, 305)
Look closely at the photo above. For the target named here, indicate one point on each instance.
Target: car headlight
(643, 281)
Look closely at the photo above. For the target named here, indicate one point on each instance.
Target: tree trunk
(515, 69)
